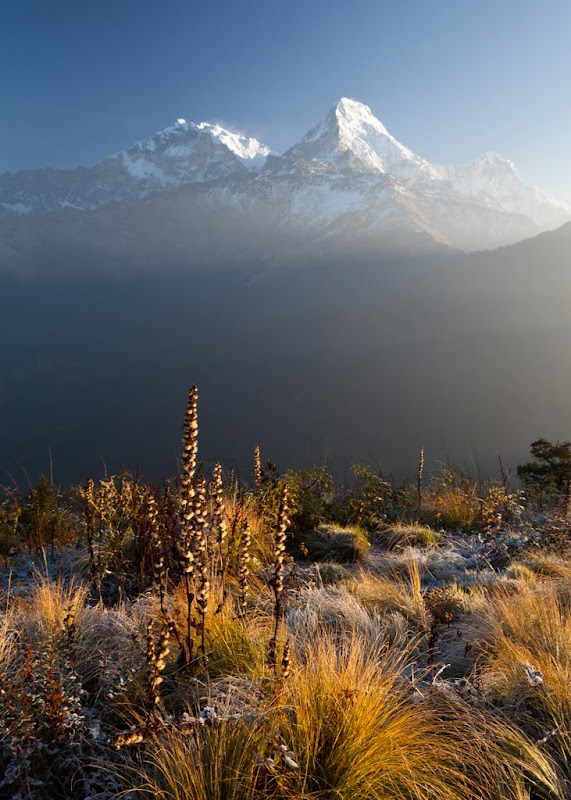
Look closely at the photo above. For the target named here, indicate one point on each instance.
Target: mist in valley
(337, 350)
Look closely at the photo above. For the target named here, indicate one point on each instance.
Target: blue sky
(450, 78)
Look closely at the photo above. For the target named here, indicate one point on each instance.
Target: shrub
(455, 501)
(43, 523)
(312, 497)
(458, 503)
(547, 478)
(369, 502)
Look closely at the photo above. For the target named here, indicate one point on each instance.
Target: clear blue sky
(449, 78)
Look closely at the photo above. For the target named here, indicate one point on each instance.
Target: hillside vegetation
(290, 637)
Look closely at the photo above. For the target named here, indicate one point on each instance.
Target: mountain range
(348, 177)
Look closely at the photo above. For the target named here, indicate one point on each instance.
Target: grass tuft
(331, 542)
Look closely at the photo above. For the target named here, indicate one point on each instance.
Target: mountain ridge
(348, 173)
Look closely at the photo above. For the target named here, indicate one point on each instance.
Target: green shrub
(547, 478)
(369, 501)
(311, 497)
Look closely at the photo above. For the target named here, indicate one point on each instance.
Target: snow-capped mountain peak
(184, 138)
(351, 137)
(249, 150)
(494, 180)
(183, 154)
(355, 119)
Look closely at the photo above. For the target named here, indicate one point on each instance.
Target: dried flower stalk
(277, 580)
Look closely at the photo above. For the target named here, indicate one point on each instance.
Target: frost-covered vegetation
(289, 638)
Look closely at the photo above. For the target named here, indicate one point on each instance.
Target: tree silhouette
(548, 476)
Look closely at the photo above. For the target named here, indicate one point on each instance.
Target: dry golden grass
(246, 511)
(526, 665)
(238, 645)
(215, 763)
(352, 728)
(337, 544)
(52, 606)
(522, 572)
(394, 591)
(402, 534)
(456, 506)
(358, 729)
(550, 567)
(8, 632)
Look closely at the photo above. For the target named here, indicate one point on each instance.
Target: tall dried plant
(189, 455)
(156, 655)
(243, 570)
(277, 580)
(160, 571)
(202, 560)
(89, 513)
(419, 481)
(219, 528)
(186, 513)
(258, 470)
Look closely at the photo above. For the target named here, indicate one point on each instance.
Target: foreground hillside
(290, 637)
